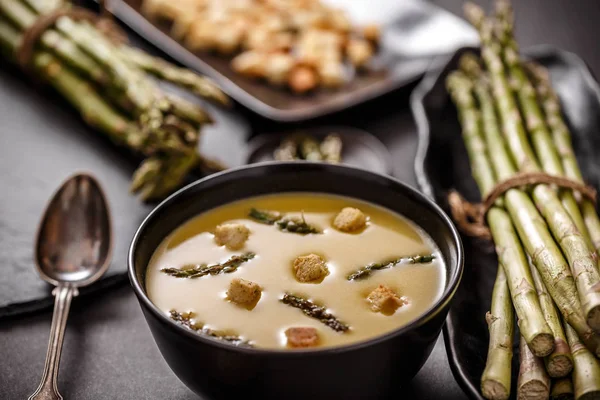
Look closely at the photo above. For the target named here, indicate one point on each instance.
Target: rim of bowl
(452, 281)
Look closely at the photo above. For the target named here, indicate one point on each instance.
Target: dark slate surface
(109, 352)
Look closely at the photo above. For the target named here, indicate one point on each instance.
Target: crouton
(302, 337)
(232, 236)
(372, 33)
(359, 52)
(349, 220)
(310, 268)
(243, 292)
(384, 299)
(302, 79)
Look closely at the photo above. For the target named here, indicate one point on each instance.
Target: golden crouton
(384, 299)
(359, 52)
(243, 292)
(233, 236)
(331, 73)
(250, 63)
(349, 220)
(310, 268)
(302, 337)
(372, 33)
(302, 79)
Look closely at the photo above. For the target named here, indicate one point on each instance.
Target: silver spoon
(73, 249)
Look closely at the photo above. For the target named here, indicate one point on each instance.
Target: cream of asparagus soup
(295, 270)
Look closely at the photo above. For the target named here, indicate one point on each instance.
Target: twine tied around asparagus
(103, 22)
(470, 217)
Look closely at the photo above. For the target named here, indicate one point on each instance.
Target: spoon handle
(48, 390)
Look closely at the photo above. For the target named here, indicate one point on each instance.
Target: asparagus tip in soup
(200, 270)
(338, 287)
(315, 311)
(367, 270)
(187, 319)
(284, 223)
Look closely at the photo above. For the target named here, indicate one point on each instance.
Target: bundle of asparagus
(113, 87)
(546, 238)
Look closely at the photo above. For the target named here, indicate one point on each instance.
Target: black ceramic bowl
(372, 369)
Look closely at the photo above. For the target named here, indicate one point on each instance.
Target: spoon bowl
(73, 249)
(73, 241)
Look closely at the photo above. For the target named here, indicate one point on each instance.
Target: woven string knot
(470, 217)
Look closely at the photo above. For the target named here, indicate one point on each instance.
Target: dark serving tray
(414, 33)
(442, 164)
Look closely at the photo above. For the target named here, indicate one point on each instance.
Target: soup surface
(386, 236)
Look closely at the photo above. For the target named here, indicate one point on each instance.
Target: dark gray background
(109, 353)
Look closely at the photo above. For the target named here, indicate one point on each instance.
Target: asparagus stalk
(569, 232)
(560, 223)
(544, 145)
(562, 138)
(314, 311)
(160, 68)
(189, 111)
(187, 319)
(533, 381)
(309, 149)
(331, 148)
(560, 362)
(367, 270)
(496, 377)
(9, 38)
(586, 370)
(532, 324)
(125, 81)
(286, 151)
(266, 217)
(98, 114)
(156, 176)
(198, 271)
(283, 223)
(562, 389)
(296, 225)
(131, 81)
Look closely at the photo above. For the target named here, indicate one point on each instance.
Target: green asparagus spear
(560, 362)
(562, 139)
(538, 241)
(367, 270)
(586, 369)
(565, 222)
(562, 389)
(496, 377)
(314, 311)
(198, 271)
(532, 324)
(187, 319)
(533, 382)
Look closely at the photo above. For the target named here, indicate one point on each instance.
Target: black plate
(414, 33)
(359, 148)
(442, 164)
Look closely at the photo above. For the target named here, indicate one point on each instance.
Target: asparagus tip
(473, 13)
(469, 63)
